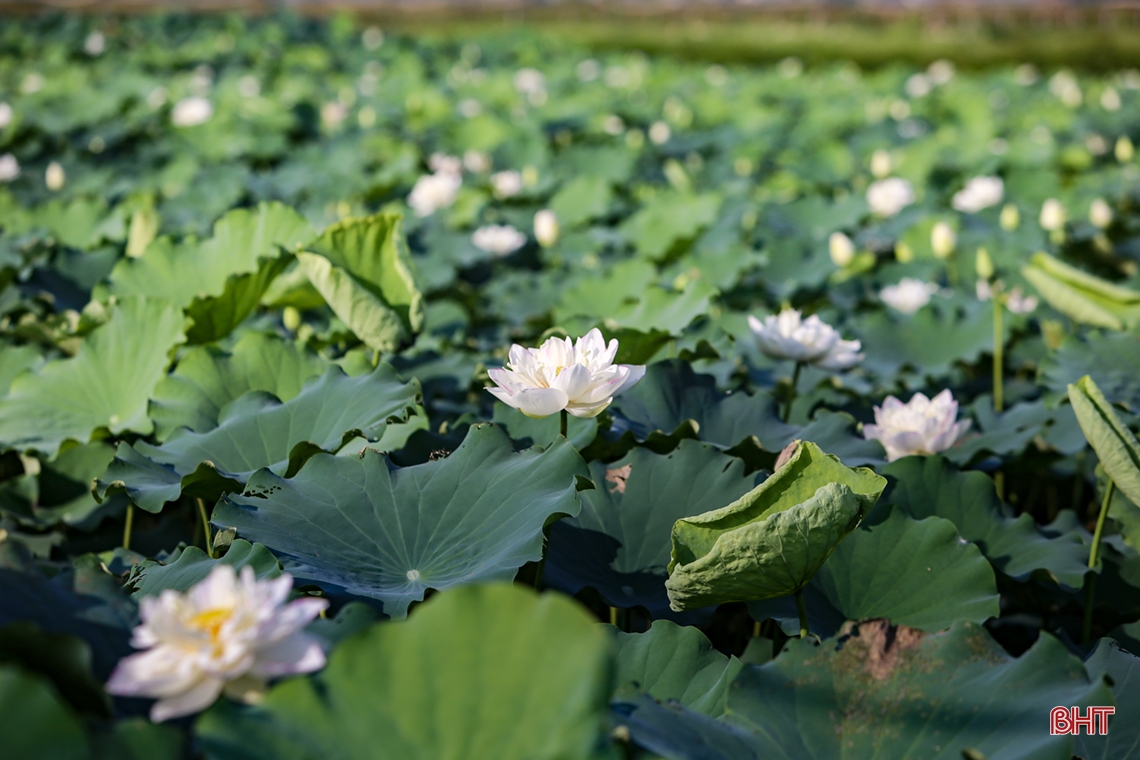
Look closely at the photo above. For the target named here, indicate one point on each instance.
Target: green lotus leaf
(191, 565)
(361, 269)
(619, 543)
(581, 199)
(257, 430)
(36, 721)
(1112, 360)
(61, 490)
(477, 672)
(15, 360)
(675, 663)
(1123, 737)
(207, 378)
(771, 541)
(669, 219)
(220, 280)
(1114, 444)
(1081, 296)
(897, 693)
(105, 385)
(918, 573)
(1015, 544)
(389, 533)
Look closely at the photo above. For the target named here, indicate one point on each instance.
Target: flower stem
(802, 607)
(998, 350)
(565, 423)
(127, 527)
(792, 391)
(1090, 578)
(206, 527)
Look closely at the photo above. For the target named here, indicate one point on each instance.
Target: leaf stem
(792, 391)
(1090, 577)
(802, 607)
(999, 347)
(128, 526)
(206, 527)
(565, 422)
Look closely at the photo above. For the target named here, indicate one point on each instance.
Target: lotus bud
(1124, 150)
(841, 249)
(984, 265)
(943, 240)
(903, 253)
(54, 177)
(1052, 215)
(546, 228)
(1100, 213)
(881, 163)
(1010, 217)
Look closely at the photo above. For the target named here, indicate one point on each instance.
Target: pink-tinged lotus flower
(227, 633)
(579, 377)
(809, 341)
(920, 426)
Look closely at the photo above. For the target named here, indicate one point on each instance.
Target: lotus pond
(809, 432)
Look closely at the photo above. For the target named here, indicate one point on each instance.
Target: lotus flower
(979, 193)
(579, 377)
(227, 633)
(9, 168)
(921, 426)
(909, 295)
(809, 341)
(887, 197)
(1100, 213)
(434, 191)
(192, 111)
(499, 239)
(507, 184)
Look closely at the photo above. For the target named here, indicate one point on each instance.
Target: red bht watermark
(1068, 720)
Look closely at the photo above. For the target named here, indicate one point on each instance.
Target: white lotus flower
(529, 81)
(9, 168)
(441, 163)
(506, 183)
(192, 111)
(476, 161)
(95, 44)
(546, 228)
(1052, 215)
(809, 341)
(840, 249)
(979, 193)
(499, 239)
(227, 633)
(659, 133)
(434, 191)
(1019, 303)
(579, 377)
(920, 426)
(908, 295)
(887, 197)
(1100, 213)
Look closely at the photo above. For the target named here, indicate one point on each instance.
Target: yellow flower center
(211, 621)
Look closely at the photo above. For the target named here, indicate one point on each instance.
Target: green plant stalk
(999, 401)
(206, 527)
(1090, 583)
(792, 391)
(565, 422)
(127, 527)
(376, 358)
(802, 607)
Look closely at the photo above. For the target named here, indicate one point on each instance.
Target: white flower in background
(880, 163)
(441, 163)
(9, 168)
(983, 290)
(95, 44)
(659, 133)
(887, 197)
(333, 114)
(546, 228)
(499, 239)
(191, 111)
(1100, 213)
(841, 249)
(227, 633)
(507, 183)
(373, 37)
(579, 377)
(5, 115)
(33, 82)
(943, 240)
(433, 192)
(1052, 215)
(54, 176)
(979, 193)
(1025, 74)
(918, 86)
(529, 81)
(908, 295)
(809, 341)
(613, 125)
(469, 108)
(1110, 99)
(1019, 303)
(476, 162)
(1064, 86)
(920, 426)
(940, 72)
(588, 70)
(1124, 150)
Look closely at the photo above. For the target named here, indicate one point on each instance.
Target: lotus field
(375, 396)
